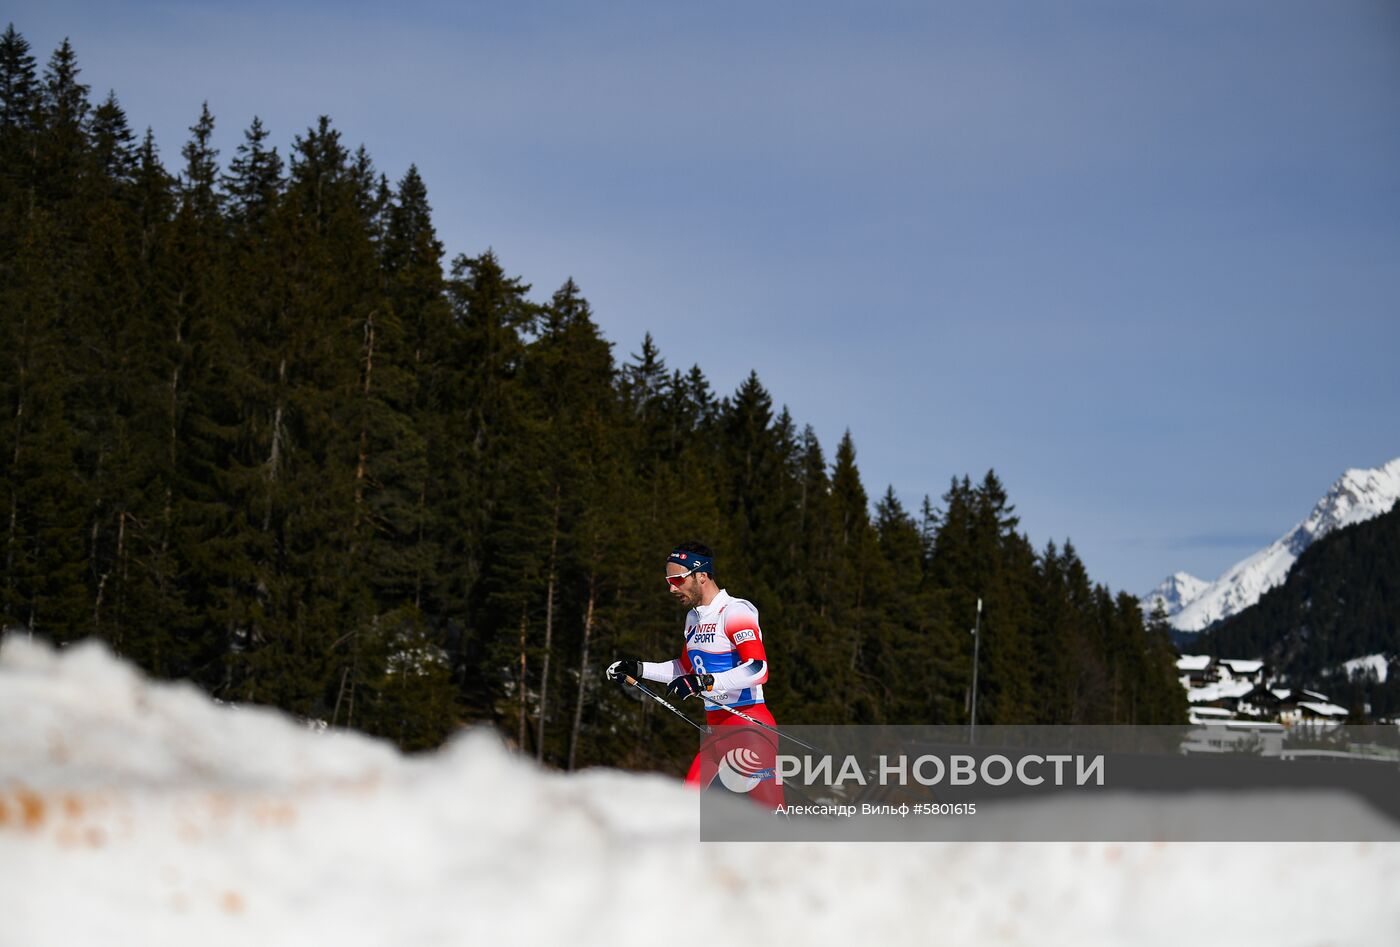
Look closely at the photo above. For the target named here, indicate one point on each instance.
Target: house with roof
(1259, 703)
(1215, 735)
(1292, 706)
(1205, 714)
(1220, 690)
(1195, 670)
(1317, 711)
(1241, 669)
(1219, 695)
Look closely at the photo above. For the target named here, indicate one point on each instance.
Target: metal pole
(976, 647)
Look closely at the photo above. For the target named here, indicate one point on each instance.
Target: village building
(1195, 670)
(1239, 669)
(1237, 690)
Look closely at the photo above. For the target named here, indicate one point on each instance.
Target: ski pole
(629, 679)
(760, 723)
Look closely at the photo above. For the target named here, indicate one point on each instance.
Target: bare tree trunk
(168, 513)
(335, 716)
(94, 553)
(274, 457)
(355, 664)
(11, 539)
(583, 669)
(121, 567)
(364, 424)
(418, 568)
(520, 737)
(102, 581)
(548, 626)
(97, 603)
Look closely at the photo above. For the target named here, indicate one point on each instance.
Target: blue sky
(1143, 259)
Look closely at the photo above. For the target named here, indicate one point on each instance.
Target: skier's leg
(758, 751)
(705, 765)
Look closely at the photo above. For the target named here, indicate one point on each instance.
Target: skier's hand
(620, 669)
(688, 685)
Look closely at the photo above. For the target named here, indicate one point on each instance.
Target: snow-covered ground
(1219, 690)
(1377, 664)
(138, 813)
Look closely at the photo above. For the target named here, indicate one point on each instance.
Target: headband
(692, 561)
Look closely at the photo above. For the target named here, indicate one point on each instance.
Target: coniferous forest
(257, 432)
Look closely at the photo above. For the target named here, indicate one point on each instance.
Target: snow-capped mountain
(1357, 496)
(1174, 592)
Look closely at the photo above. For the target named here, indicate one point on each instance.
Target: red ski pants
(744, 749)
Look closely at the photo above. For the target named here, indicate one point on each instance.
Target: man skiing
(723, 662)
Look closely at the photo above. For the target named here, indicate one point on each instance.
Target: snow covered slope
(1175, 592)
(1357, 496)
(141, 813)
(1377, 665)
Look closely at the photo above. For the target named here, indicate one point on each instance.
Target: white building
(1215, 735)
(1241, 669)
(1194, 670)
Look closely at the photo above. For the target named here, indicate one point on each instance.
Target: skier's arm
(752, 669)
(663, 672)
(750, 673)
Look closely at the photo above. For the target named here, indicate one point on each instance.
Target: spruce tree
(485, 417)
(254, 180)
(113, 147)
(18, 88)
(905, 659)
(853, 576)
(61, 141)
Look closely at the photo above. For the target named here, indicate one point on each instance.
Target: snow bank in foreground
(140, 813)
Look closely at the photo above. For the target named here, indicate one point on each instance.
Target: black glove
(620, 669)
(688, 685)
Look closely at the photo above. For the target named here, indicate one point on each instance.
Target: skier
(723, 661)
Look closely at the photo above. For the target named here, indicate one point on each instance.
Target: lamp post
(976, 646)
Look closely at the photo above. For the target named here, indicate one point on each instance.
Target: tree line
(260, 434)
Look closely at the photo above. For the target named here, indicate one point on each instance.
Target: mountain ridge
(1358, 495)
(1334, 623)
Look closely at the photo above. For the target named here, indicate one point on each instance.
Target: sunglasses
(677, 580)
